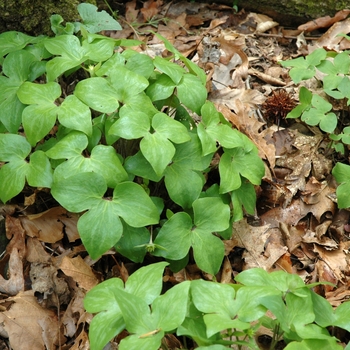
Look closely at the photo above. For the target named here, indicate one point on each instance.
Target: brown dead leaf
(255, 240)
(28, 325)
(266, 77)
(131, 13)
(330, 39)
(49, 226)
(45, 280)
(36, 252)
(16, 233)
(150, 9)
(75, 314)
(226, 271)
(336, 260)
(324, 22)
(79, 271)
(15, 283)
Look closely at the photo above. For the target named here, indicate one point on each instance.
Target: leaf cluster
(332, 71)
(216, 316)
(314, 109)
(128, 141)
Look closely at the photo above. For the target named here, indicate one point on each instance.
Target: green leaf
(316, 57)
(147, 282)
(172, 70)
(175, 237)
(211, 214)
(170, 128)
(76, 115)
(114, 61)
(42, 94)
(38, 120)
(236, 162)
(127, 83)
(79, 192)
(11, 107)
(12, 179)
(71, 54)
(102, 296)
(212, 297)
(196, 329)
(136, 313)
(69, 146)
(109, 323)
(131, 244)
(184, 185)
(342, 63)
(104, 327)
(192, 93)
(212, 347)
(13, 41)
(149, 341)
(138, 165)
(243, 197)
(131, 124)
(103, 161)
(182, 180)
(323, 310)
(58, 28)
(39, 171)
(17, 66)
(140, 64)
(161, 89)
(341, 316)
(158, 150)
(98, 94)
(249, 301)
(98, 48)
(100, 228)
(134, 205)
(95, 21)
(281, 280)
(169, 310)
(208, 250)
(13, 147)
(217, 323)
(314, 344)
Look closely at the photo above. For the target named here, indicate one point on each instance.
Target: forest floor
(297, 227)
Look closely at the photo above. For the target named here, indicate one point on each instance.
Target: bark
(291, 12)
(33, 16)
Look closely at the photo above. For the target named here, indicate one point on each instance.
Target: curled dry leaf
(331, 38)
(15, 283)
(324, 22)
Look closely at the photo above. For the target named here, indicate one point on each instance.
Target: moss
(33, 17)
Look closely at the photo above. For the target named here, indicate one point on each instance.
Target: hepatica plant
(126, 140)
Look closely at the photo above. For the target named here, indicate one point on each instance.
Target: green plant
(112, 134)
(214, 315)
(332, 70)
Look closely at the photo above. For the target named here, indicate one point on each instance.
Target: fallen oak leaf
(28, 325)
(79, 271)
